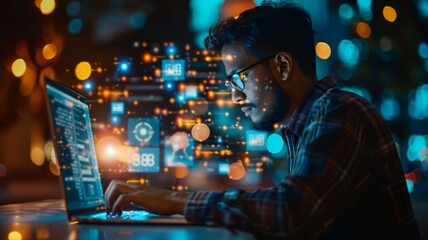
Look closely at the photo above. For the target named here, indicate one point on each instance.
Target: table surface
(48, 220)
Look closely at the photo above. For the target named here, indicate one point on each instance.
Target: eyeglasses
(236, 80)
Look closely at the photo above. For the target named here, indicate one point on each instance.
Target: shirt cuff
(200, 207)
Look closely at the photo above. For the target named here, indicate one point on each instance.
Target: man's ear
(284, 61)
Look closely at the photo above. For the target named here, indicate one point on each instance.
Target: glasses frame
(234, 81)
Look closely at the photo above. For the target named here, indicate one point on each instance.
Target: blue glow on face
(274, 143)
(423, 50)
(346, 12)
(73, 8)
(389, 108)
(75, 26)
(137, 20)
(348, 53)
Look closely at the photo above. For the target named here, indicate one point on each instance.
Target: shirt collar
(298, 119)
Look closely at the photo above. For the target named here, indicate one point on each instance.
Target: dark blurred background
(378, 49)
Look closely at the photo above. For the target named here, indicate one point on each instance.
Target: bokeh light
(181, 171)
(198, 106)
(200, 132)
(47, 6)
(73, 8)
(275, 143)
(346, 12)
(423, 50)
(323, 50)
(83, 70)
(49, 51)
(75, 26)
(14, 235)
(108, 148)
(363, 30)
(3, 170)
(348, 53)
(37, 156)
(236, 171)
(19, 67)
(389, 14)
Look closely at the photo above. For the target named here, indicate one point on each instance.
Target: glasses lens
(237, 82)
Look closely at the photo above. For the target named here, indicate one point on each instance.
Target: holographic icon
(173, 69)
(117, 107)
(256, 140)
(143, 132)
(145, 160)
(178, 150)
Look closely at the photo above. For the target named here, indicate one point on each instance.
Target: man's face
(262, 99)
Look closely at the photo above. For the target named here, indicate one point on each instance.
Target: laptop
(73, 141)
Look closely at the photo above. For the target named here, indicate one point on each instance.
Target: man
(345, 179)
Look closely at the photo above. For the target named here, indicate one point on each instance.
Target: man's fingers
(122, 202)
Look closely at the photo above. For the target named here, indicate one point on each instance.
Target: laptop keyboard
(127, 215)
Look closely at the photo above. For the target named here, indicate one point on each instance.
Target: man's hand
(119, 196)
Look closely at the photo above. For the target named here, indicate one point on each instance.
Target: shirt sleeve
(328, 177)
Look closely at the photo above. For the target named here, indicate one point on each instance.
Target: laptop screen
(75, 147)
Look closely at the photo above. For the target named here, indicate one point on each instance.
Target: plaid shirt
(344, 181)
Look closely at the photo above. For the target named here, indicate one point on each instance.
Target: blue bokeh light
(348, 53)
(75, 26)
(346, 11)
(418, 104)
(423, 50)
(422, 6)
(389, 108)
(274, 143)
(88, 86)
(73, 8)
(171, 50)
(137, 20)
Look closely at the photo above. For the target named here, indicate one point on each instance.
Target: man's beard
(277, 113)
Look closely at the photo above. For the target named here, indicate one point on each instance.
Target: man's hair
(267, 29)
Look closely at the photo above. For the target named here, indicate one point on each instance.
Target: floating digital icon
(223, 168)
(173, 69)
(145, 160)
(191, 92)
(256, 140)
(143, 132)
(179, 150)
(117, 107)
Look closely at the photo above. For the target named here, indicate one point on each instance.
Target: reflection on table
(47, 220)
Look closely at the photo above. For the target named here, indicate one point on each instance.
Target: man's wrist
(180, 200)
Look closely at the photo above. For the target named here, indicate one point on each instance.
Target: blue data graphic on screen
(143, 131)
(145, 160)
(76, 150)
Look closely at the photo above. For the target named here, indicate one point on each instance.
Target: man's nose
(237, 96)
